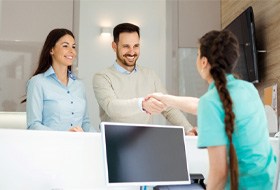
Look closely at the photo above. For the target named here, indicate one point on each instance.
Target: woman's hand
(76, 129)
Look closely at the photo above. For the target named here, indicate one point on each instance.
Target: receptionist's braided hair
(221, 48)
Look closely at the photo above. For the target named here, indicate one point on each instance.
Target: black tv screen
(244, 28)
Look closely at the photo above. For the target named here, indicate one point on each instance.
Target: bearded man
(121, 89)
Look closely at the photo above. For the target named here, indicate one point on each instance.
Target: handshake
(154, 103)
(157, 102)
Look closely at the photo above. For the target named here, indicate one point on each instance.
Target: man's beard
(123, 61)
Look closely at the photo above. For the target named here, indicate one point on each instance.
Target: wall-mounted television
(243, 27)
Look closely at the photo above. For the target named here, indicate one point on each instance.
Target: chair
(13, 120)
(272, 120)
(276, 184)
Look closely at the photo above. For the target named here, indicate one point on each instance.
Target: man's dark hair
(124, 27)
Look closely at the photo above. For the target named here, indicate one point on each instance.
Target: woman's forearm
(184, 103)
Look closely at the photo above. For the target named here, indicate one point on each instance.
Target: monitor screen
(137, 154)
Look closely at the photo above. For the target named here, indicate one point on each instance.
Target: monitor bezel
(142, 183)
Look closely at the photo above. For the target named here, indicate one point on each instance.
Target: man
(121, 89)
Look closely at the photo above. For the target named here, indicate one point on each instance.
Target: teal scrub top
(256, 160)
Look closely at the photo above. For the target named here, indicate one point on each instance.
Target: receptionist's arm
(218, 167)
(184, 103)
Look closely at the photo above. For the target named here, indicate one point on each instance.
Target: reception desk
(48, 160)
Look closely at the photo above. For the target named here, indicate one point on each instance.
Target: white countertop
(63, 160)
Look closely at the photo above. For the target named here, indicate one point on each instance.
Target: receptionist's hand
(76, 129)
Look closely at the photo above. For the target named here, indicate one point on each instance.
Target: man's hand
(192, 132)
(153, 106)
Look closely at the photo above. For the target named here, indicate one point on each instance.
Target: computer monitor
(140, 154)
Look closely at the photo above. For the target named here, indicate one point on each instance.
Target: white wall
(31, 21)
(95, 53)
